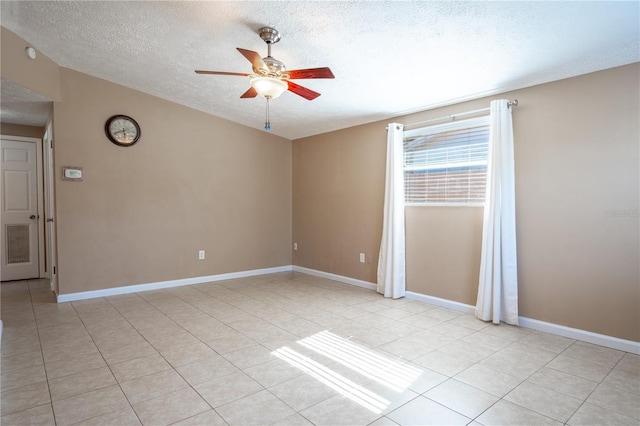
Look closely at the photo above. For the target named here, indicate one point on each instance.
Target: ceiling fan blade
(251, 93)
(311, 73)
(222, 73)
(302, 91)
(254, 58)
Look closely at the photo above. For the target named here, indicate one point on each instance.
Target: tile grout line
(108, 366)
(44, 367)
(158, 352)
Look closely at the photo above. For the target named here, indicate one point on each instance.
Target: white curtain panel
(498, 284)
(391, 261)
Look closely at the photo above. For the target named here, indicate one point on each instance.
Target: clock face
(122, 130)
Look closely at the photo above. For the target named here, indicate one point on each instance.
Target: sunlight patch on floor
(394, 375)
(385, 371)
(335, 381)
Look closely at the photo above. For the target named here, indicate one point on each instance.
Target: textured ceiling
(389, 58)
(23, 106)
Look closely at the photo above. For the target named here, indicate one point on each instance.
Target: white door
(19, 208)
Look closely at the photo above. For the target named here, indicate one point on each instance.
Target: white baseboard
(334, 277)
(71, 297)
(582, 335)
(444, 303)
(547, 327)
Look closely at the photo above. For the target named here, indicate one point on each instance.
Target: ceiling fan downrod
(275, 68)
(270, 36)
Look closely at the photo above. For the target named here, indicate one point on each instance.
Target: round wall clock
(122, 130)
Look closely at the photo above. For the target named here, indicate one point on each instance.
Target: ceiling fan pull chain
(267, 123)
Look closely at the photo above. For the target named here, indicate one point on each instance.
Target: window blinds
(447, 163)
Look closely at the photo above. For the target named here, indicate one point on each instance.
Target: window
(447, 163)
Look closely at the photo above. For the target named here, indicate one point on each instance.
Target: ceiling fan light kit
(270, 77)
(269, 87)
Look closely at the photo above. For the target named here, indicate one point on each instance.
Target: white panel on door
(17, 191)
(15, 155)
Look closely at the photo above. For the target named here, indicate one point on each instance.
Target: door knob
(33, 216)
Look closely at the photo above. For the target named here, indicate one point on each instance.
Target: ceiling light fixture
(268, 87)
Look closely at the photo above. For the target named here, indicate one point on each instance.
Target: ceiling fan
(270, 77)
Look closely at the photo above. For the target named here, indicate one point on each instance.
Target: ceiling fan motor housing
(276, 68)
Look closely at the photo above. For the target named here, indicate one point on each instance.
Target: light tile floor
(292, 349)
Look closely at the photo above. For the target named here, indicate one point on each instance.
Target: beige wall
(576, 149)
(192, 182)
(577, 158)
(20, 130)
(443, 251)
(337, 201)
(41, 75)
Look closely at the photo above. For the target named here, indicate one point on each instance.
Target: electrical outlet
(362, 258)
(295, 246)
(201, 255)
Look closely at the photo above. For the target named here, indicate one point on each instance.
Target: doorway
(21, 208)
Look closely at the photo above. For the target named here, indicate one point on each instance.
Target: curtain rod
(510, 104)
